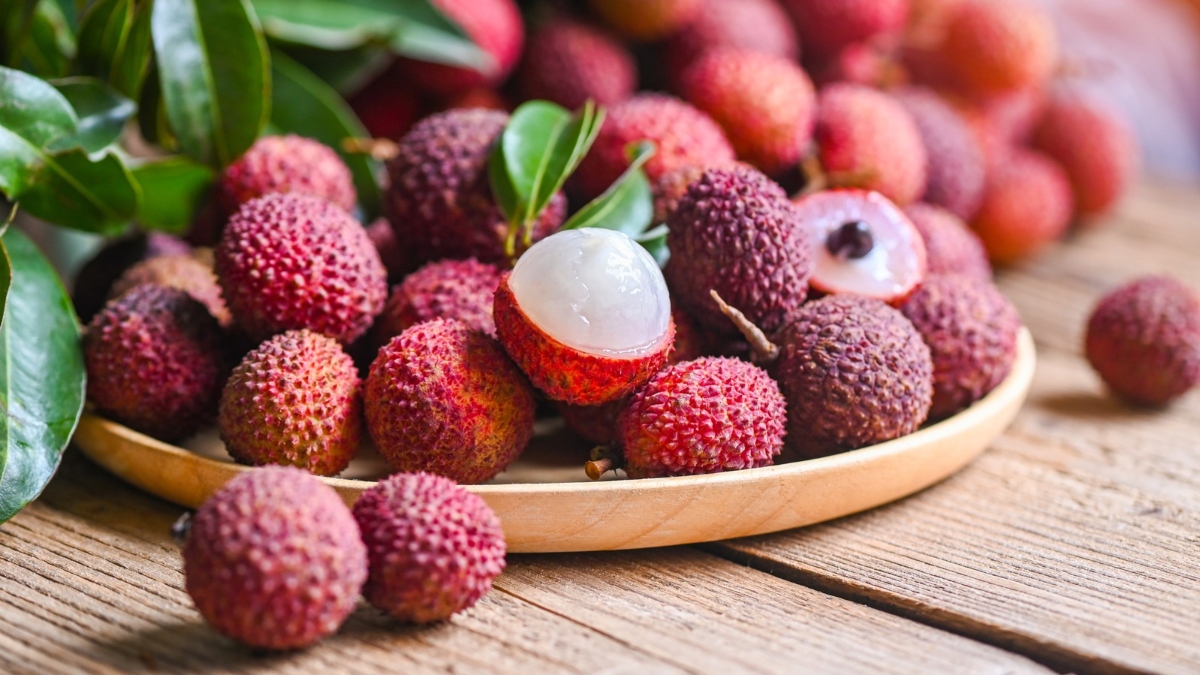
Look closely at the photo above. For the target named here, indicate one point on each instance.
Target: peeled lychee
(861, 243)
(1093, 146)
(447, 289)
(760, 25)
(443, 398)
(646, 20)
(495, 26)
(1144, 340)
(569, 63)
(291, 261)
(866, 139)
(586, 314)
(434, 548)
(950, 245)
(154, 361)
(955, 168)
(764, 102)
(290, 164)
(1026, 205)
(294, 400)
(703, 416)
(183, 271)
(93, 282)
(735, 232)
(971, 330)
(1000, 46)
(274, 559)
(440, 201)
(825, 26)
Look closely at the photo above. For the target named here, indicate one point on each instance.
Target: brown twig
(381, 149)
(598, 467)
(764, 351)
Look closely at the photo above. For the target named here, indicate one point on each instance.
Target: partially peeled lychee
(586, 314)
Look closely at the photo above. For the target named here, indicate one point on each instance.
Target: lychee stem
(814, 175)
(598, 467)
(381, 149)
(765, 351)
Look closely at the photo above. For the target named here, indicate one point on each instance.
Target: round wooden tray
(546, 503)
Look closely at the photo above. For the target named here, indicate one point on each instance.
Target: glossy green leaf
(654, 240)
(42, 376)
(303, 104)
(214, 76)
(130, 65)
(34, 110)
(346, 70)
(72, 190)
(627, 205)
(503, 189)
(50, 45)
(171, 189)
(114, 43)
(102, 114)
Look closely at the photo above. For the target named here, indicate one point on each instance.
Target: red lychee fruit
(481, 98)
(274, 559)
(825, 26)
(288, 261)
(703, 416)
(690, 341)
(586, 314)
(1094, 147)
(443, 398)
(971, 330)
(93, 283)
(433, 547)
(447, 289)
(763, 101)
(682, 135)
(568, 62)
(593, 423)
(387, 106)
(1026, 205)
(495, 26)
(861, 63)
(183, 271)
(866, 139)
(646, 20)
(440, 201)
(290, 164)
(1143, 339)
(950, 245)
(759, 25)
(394, 255)
(955, 168)
(154, 361)
(999, 46)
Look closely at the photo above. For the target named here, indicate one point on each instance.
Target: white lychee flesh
(597, 291)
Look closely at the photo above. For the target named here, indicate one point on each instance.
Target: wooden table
(1073, 544)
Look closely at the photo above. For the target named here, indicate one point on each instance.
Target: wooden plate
(547, 504)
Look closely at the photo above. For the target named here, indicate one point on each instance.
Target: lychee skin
(594, 423)
(1026, 205)
(569, 63)
(278, 164)
(867, 140)
(999, 46)
(955, 166)
(289, 261)
(682, 135)
(646, 20)
(950, 245)
(447, 289)
(971, 330)
(736, 233)
(183, 271)
(855, 372)
(295, 400)
(495, 26)
(440, 201)
(1094, 147)
(93, 282)
(567, 374)
(434, 548)
(443, 398)
(764, 102)
(154, 361)
(704, 416)
(394, 255)
(274, 559)
(825, 26)
(1143, 339)
(761, 25)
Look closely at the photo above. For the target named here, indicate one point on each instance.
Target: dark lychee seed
(852, 240)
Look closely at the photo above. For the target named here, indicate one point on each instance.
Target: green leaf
(5, 276)
(130, 64)
(303, 104)
(72, 190)
(628, 204)
(102, 114)
(114, 44)
(51, 42)
(654, 240)
(214, 75)
(33, 110)
(42, 376)
(346, 70)
(171, 189)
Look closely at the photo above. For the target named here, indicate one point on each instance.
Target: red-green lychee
(434, 548)
(93, 282)
(999, 46)
(295, 400)
(154, 361)
(447, 289)
(1026, 205)
(1143, 339)
(586, 315)
(288, 261)
(495, 26)
(950, 245)
(646, 20)
(866, 139)
(443, 398)
(971, 330)
(290, 164)
(704, 416)
(955, 168)
(760, 25)
(1094, 147)
(825, 26)
(274, 559)
(568, 62)
(764, 102)
(440, 201)
(183, 271)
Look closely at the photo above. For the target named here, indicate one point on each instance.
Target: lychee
(861, 63)
(1026, 205)
(646, 20)
(394, 255)
(440, 199)
(825, 26)
(286, 164)
(955, 168)
(763, 101)
(294, 400)
(434, 548)
(183, 271)
(447, 289)
(586, 314)
(1094, 147)
(866, 139)
(443, 398)
(593, 423)
(93, 283)
(971, 330)
(274, 559)
(154, 361)
(950, 245)
(288, 261)
(495, 26)
(999, 46)
(760, 25)
(1143, 339)
(387, 105)
(682, 135)
(703, 416)
(568, 62)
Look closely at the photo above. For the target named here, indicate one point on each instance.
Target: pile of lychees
(846, 309)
